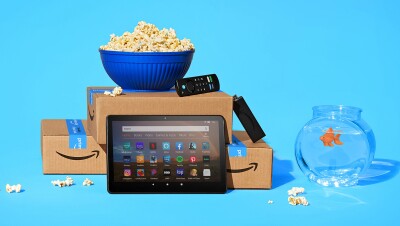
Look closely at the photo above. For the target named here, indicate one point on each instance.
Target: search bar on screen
(165, 128)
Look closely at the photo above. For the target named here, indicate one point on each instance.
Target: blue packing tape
(77, 134)
(237, 148)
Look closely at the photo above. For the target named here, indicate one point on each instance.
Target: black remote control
(247, 119)
(197, 85)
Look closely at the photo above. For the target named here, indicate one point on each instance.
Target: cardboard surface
(59, 158)
(154, 103)
(251, 168)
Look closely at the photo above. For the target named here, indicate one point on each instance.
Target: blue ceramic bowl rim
(112, 52)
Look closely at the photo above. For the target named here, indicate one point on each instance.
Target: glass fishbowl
(335, 146)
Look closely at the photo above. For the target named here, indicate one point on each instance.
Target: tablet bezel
(165, 187)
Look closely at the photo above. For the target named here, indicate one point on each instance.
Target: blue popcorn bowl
(146, 70)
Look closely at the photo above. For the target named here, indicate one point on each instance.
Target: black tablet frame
(165, 187)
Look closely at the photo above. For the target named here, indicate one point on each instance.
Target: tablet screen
(166, 151)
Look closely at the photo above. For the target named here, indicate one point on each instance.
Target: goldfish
(329, 136)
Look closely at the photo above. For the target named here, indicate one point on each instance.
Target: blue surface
(284, 57)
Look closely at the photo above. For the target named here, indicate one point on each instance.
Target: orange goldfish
(329, 136)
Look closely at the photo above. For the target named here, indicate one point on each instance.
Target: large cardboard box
(249, 165)
(154, 103)
(70, 149)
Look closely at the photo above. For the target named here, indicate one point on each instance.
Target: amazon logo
(91, 115)
(253, 165)
(95, 153)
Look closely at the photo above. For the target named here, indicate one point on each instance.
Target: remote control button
(190, 86)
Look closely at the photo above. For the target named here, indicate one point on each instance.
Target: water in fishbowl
(334, 156)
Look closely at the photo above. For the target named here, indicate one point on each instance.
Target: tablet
(166, 154)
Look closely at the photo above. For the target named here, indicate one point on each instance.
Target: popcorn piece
(295, 191)
(87, 182)
(297, 201)
(147, 37)
(116, 92)
(16, 188)
(270, 202)
(68, 182)
(8, 188)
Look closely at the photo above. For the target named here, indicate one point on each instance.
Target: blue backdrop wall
(284, 57)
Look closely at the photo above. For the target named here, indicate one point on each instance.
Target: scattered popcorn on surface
(62, 183)
(87, 182)
(295, 191)
(270, 202)
(116, 92)
(16, 188)
(147, 37)
(297, 201)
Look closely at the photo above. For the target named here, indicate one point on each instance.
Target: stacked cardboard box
(249, 164)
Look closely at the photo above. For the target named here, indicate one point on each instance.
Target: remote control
(197, 85)
(247, 119)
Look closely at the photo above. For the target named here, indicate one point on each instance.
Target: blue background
(284, 57)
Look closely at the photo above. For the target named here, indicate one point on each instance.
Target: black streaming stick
(197, 85)
(247, 119)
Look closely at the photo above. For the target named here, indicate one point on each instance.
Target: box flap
(245, 139)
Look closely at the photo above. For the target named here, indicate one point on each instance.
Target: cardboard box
(249, 165)
(154, 103)
(70, 149)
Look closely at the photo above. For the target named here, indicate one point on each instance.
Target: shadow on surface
(281, 172)
(380, 170)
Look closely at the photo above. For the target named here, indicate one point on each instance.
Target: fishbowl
(335, 146)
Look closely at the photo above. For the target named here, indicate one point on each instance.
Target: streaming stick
(197, 85)
(247, 119)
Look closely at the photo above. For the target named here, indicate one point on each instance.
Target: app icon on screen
(153, 159)
(192, 159)
(166, 146)
(167, 172)
(179, 172)
(127, 159)
(179, 146)
(153, 145)
(127, 172)
(206, 172)
(205, 146)
(126, 146)
(192, 146)
(140, 159)
(153, 172)
(193, 172)
(179, 158)
(139, 145)
(140, 172)
(167, 158)
(206, 158)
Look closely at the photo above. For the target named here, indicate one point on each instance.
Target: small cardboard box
(154, 103)
(249, 165)
(67, 148)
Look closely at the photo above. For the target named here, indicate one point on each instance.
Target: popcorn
(270, 202)
(87, 182)
(295, 191)
(67, 182)
(116, 92)
(16, 188)
(297, 201)
(147, 37)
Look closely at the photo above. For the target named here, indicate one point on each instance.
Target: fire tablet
(166, 154)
